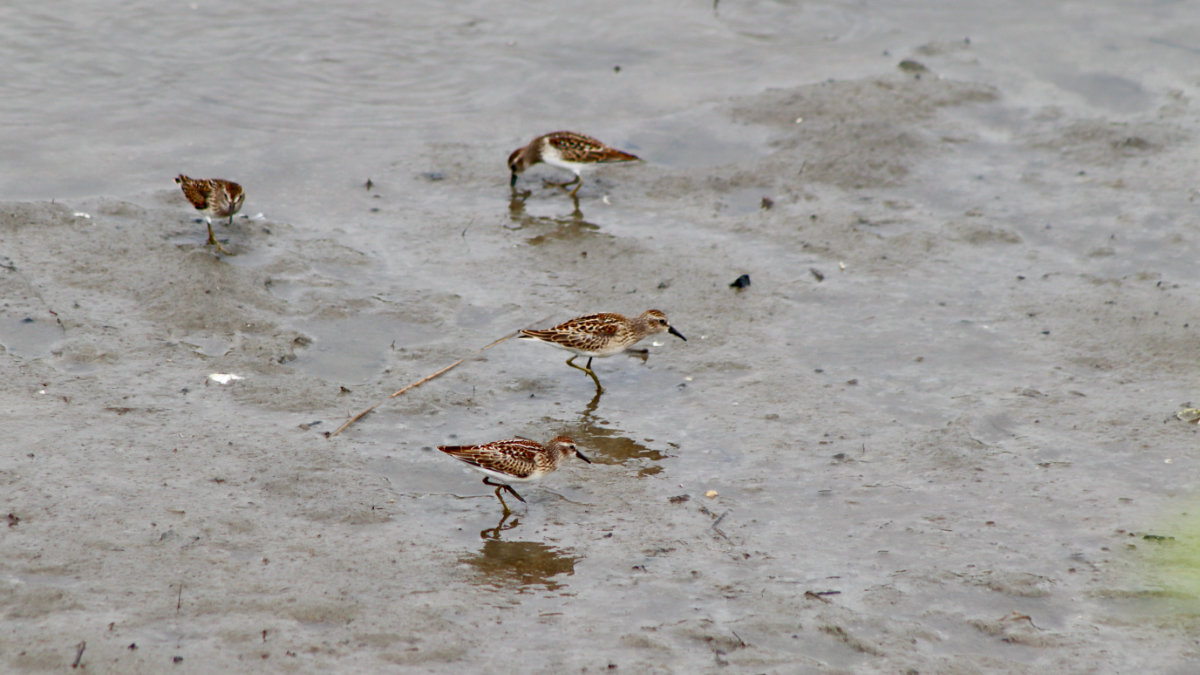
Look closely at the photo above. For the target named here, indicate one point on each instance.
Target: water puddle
(350, 350)
(28, 337)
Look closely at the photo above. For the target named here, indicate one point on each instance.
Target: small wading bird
(600, 335)
(566, 150)
(215, 198)
(516, 460)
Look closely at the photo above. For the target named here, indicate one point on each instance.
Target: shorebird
(600, 335)
(516, 460)
(214, 197)
(566, 150)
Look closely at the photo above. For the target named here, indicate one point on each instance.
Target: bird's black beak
(582, 456)
(513, 182)
(672, 331)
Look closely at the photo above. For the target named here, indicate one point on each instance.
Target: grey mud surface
(931, 436)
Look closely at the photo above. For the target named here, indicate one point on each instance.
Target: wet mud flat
(931, 435)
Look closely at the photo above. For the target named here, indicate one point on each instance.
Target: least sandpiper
(214, 197)
(516, 460)
(600, 335)
(566, 150)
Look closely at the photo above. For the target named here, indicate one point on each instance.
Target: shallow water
(934, 427)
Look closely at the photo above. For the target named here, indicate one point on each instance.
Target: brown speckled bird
(566, 150)
(214, 197)
(600, 335)
(517, 460)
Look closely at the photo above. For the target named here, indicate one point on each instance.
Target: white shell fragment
(224, 378)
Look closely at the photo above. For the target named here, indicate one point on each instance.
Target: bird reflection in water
(494, 532)
(518, 564)
(570, 227)
(607, 445)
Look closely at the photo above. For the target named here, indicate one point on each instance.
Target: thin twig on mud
(429, 377)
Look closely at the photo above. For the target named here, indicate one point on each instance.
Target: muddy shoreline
(933, 434)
